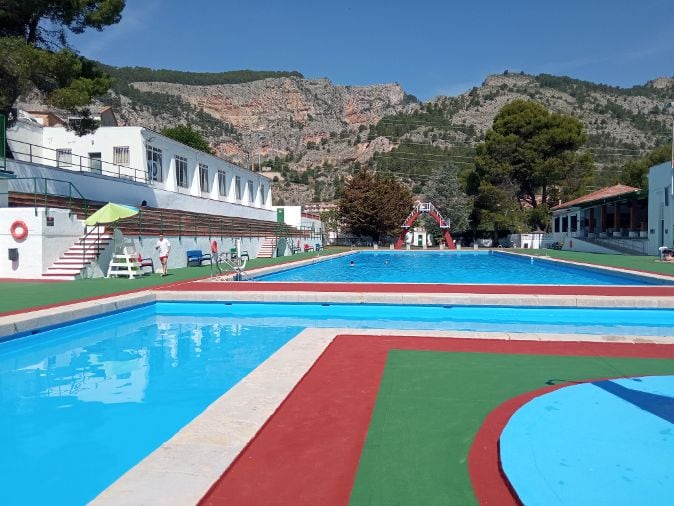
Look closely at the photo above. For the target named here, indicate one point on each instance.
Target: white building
(125, 165)
(142, 156)
(660, 206)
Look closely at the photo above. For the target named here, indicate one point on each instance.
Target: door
(95, 164)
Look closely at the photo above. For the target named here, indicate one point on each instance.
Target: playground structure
(428, 208)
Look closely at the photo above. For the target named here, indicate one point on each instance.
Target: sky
(429, 47)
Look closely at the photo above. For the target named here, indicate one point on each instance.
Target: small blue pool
(84, 403)
(601, 442)
(458, 267)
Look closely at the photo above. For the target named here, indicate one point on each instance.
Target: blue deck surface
(607, 442)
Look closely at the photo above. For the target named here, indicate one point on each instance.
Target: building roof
(610, 192)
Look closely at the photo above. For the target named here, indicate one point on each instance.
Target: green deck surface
(635, 262)
(18, 295)
(431, 404)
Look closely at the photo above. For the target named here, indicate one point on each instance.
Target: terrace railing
(34, 153)
(47, 192)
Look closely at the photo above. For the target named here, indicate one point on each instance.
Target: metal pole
(3, 140)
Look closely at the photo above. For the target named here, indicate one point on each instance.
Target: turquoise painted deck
(606, 442)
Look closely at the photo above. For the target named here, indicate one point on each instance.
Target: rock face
(278, 116)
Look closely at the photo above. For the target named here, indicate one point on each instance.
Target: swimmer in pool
(352, 263)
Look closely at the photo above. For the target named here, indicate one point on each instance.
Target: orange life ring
(19, 230)
(214, 246)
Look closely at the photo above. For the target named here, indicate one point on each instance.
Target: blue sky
(430, 47)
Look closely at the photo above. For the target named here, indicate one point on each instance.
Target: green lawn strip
(23, 295)
(431, 404)
(634, 262)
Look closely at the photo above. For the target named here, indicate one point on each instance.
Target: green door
(280, 215)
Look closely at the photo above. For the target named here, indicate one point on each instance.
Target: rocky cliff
(310, 132)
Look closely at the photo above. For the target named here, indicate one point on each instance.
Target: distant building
(660, 206)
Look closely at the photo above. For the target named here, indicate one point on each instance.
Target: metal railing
(34, 153)
(43, 187)
(93, 244)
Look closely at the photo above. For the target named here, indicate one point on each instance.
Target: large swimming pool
(84, 403)
(460, 267)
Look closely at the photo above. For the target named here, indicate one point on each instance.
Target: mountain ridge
(311, 132)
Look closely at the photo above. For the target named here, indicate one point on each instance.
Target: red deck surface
(308, 451)
(260, 286)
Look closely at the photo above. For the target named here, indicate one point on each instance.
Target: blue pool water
(83, 403)
(471, 267)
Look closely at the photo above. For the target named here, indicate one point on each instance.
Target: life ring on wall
(214, 246)
(19, 230)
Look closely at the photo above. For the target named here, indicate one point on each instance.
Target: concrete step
(71, 262)
(58, 277)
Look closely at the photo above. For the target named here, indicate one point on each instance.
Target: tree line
(528, 162)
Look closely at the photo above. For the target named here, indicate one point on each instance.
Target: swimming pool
(459, 267)
(84, 403)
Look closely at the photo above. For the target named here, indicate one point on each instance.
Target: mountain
(311, 133)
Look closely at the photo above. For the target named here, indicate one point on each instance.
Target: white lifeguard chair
(125, 261)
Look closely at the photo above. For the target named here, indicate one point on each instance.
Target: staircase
(85, 250)
(634, 246)
(268, 248)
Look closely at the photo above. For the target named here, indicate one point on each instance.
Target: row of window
(120, 156)
(154, 167)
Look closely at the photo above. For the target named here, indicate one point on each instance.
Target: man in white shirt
(164, 248)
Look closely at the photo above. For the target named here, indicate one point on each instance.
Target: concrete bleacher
(171, 222)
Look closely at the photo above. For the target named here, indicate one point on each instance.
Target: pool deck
(183, 470)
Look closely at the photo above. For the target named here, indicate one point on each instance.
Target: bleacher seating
(171, 222)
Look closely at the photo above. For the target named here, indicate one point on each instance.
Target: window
(181, 171)
(154, 168)
(95, 163)
(237, 187)
(120, 155)
(203, 177)
(64, 157)
(251, 197)
(557, 224)
(222, 183)
(263, 195)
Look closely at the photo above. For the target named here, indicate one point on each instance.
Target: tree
(34, 53)
(188, 136)
(528, 153)
(635, 172)
(374, 205)
(447, 194)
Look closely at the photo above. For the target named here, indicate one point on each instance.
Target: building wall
(34, 256)
(660, 207)
(292, 215)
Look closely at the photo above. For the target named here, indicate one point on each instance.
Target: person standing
(164, 248)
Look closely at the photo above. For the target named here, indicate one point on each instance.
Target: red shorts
(163, 259)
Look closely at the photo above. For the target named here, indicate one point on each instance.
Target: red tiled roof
(601, 194)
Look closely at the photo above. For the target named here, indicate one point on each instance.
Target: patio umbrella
(111, 212)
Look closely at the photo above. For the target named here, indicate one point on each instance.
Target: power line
(421, 159)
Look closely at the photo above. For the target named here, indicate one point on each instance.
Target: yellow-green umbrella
(111, 212)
